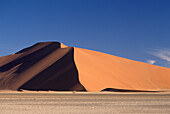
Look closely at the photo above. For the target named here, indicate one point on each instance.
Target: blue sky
(134, 29)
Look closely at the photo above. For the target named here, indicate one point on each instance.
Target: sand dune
(54, 66)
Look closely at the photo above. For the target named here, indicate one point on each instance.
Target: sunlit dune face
(98, 71)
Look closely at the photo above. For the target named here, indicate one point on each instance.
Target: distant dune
(53, 66)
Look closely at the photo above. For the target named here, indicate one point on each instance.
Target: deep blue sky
(134, 29)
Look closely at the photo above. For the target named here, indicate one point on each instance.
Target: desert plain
(12, 102)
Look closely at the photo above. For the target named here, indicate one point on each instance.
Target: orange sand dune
(54, 66)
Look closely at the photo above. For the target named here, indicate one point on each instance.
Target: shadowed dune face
(43, 66)
(60, 76)
(30, 56)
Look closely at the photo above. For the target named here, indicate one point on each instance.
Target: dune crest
(53, 66)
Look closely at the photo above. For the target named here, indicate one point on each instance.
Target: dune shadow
(60, 76)
(125, 90)
(29, 60)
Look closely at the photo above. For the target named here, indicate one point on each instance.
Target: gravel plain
(82, 103)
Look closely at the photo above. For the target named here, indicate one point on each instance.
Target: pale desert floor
(81, 102)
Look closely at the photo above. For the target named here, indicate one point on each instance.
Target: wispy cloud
(163, 54)
(151, 61)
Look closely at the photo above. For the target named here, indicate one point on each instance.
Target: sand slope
(54, 66)
(98, 71)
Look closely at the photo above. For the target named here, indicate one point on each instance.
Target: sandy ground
(72, 103)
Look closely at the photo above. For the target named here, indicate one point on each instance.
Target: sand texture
(53, 66)
(84, 103)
